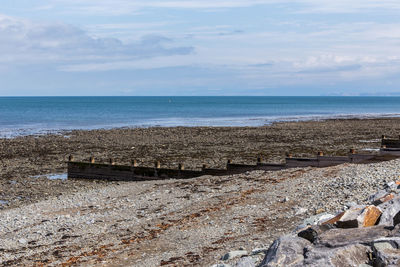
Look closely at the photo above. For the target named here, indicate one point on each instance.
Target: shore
(28, 156)
(195, 220)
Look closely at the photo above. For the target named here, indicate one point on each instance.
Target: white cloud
(23, 41)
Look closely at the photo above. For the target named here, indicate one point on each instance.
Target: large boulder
(386, 252)
(352, 255)
(390, 212)
(286, 251)
(343, 237)
(359, 216)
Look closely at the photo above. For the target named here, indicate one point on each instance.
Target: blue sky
(202, 47)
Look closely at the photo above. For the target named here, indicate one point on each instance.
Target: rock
(359, 217)
(333, 220)
(350, 204)
(245, 262)
(378, 195)
(350, 218)
(313, 220)
(221, 265)
(351, 255)
(301, 211)
(342, 237)
(370, 216)
(22, 241)
(311, 233)
(383, 199)
(386, 254)
(234, 254)
(286, 251)
(257, 251)
(390, 212)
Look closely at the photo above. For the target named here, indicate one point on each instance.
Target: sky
(199, 47)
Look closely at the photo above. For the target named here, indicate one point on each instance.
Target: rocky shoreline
(193, 222)
(361, 235)
(24, 157)
(181, 223)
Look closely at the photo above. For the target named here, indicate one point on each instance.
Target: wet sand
(27, 156)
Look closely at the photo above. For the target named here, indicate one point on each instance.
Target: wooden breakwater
(390, 148)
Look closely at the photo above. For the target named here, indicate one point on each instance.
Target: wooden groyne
(390, 148)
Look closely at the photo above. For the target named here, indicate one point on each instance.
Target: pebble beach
(173, 222)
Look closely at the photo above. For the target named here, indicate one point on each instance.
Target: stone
(386, 254)
(234, 254)
(245, 262)
(301, 211)
(370, 216)
(351, 255)
(378, 195)
(359, 217)
(333, 220)
(286, 251)
(22, 241)
(342, 237)
(221, 265)
(314, 220)
(383, 199)
(311, 233)
(390, 212)
(350, 218)
(257, 251)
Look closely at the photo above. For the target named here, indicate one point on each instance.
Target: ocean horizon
(41, 115)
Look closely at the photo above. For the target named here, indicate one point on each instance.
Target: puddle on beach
(371, 149)
(53, 176)
(370, 141)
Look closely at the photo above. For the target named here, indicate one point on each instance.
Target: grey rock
(311, 233)
(352, 255)
(234, 254)
(386, 254)
(245, 262)
(22, 241)
(221, 265)
(352, 218)
(375, 197)
(342, 237)
(286, 251)
(313, 220)
(390, 212)
(257, 251)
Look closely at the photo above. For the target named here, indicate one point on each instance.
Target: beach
(191, 222)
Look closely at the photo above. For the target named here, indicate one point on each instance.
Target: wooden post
(352, 151)
(259, 159)
(320, 153)
(70, 158)
(112, 162)
(134, 163)
(91, 159)
(204, 167)
(157, 164)
(181, 167)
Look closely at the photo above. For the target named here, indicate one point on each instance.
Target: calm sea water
(38, 115)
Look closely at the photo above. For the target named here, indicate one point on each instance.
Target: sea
(42, 115)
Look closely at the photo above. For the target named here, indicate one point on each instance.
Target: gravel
(192, 222)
